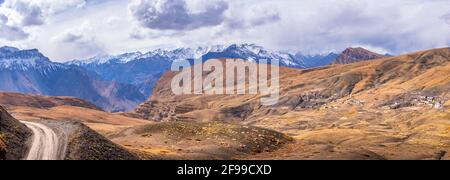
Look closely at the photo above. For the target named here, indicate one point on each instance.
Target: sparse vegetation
(86, 144)
(220, 140)
(381, 109)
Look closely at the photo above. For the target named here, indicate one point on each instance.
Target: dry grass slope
(388, 108)
(86, 144)
(35, 108)
(187, 140)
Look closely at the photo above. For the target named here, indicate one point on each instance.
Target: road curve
(45, 144)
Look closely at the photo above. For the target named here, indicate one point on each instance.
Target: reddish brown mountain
(352, 55)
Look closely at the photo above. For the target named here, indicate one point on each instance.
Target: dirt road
(45, 145)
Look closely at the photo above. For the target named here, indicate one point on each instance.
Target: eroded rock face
(13, 137)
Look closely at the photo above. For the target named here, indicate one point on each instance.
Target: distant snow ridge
(256, 53)
(170, 55)
(123, 58)
(249, 52)
(14, 59)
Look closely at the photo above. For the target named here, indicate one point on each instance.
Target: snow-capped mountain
(317, 60)
(145, 69)
(169, 55)
(120, 82)
(255, 53)
(29, 71)
(123, 58)
(249, 52)
(183, 53)
(15, 59)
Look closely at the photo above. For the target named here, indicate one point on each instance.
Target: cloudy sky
(75, 29)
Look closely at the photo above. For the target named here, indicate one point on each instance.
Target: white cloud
(175, 14)
(253, 16)
(3, 19)
(79, 41)
(8, 32)
(12, 33)
(26, 13)
(113, 21)
(446, 18)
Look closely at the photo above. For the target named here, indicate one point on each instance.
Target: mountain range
(386, 108)
(143, 70)
(121, 82)
(29, 71)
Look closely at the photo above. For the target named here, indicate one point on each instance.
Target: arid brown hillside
(352, 55)
(34, 108)
(389, 108)
(86, 144)
(37, 101)
(13, 137)
(190, 140)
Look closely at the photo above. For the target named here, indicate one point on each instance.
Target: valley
(389, 108)
(366, 106)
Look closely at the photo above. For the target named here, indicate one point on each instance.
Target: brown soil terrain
(102, 122)
(13, 137)
(389, 108)
(188, 140)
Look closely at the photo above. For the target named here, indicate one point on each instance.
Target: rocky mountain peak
(352, 55)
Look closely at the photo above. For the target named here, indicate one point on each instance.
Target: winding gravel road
(45, 145)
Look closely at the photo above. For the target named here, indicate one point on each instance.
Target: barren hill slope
(13, 137)
(82, 142)
(35, 107)
(390, 108)
(190, 140)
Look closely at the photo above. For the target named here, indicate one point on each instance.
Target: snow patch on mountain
(14, 59)
(243, 51)
(104, 59)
